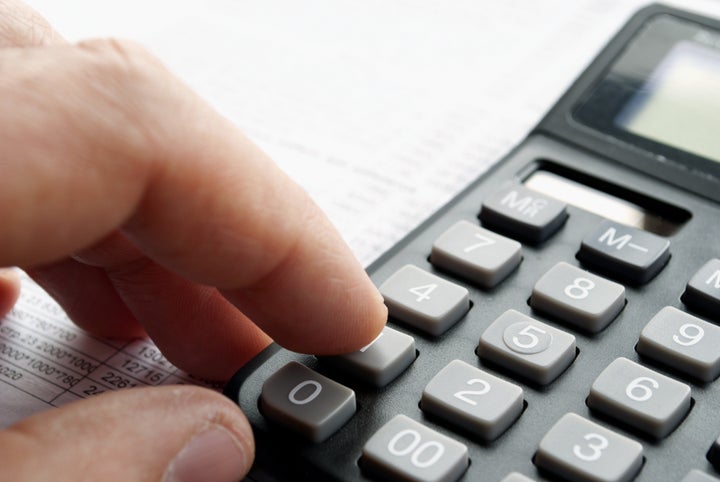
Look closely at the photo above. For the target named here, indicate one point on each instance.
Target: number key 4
(423, 300)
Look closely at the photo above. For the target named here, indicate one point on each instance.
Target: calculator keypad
(684, 342)
(423, 300)
(580, 450)
(406, 450)
(527, 347)
(476, 254)
(578, 297)
(640, 397)
(472, 399)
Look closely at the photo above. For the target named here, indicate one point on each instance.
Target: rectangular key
(702, 292)
(423, 300)
(404, 450)
(683, 342)
(523, 213)
(306, 402)
(473, 400)
(529, 348)
(516, 477)
(476, 254)
(698, 476)
(381, 361)
(578, 297)
(713, 454)
(580, 450)
(640, 397)
(624, 253)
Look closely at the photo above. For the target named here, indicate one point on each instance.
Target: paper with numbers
(381, 109)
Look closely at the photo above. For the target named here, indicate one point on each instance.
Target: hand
(141, 210)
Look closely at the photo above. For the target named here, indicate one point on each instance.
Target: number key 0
(306, 402)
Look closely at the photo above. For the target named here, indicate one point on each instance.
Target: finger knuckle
(122, 60)
(134, 84)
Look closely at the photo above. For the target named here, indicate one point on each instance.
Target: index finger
(107, 124)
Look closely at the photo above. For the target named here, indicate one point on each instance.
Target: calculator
(558, 320)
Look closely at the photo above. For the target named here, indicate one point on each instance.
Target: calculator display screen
(679, 104)
(662, 94)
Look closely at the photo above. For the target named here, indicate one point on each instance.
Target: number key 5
(527, 347)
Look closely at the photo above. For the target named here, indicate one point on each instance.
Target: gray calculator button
(473, 400)
(305, 401)
(580, 450)
(381, 361)
(640, 397)
(625, 253)
(713, 454)
(683, 342)
(527, 347)
(476, 254)
(424, 300)
(699, 476)
(578, 297)
(524, 213)
(703, 290)
(405, 450)
(516, 477)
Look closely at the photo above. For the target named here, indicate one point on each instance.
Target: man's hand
(141, 210)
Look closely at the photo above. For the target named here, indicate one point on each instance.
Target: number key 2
(473, 400)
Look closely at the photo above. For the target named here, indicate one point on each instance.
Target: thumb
(169, 434)
(9, 289)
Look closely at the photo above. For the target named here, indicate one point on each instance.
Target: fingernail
(9, 274)
(214, 455)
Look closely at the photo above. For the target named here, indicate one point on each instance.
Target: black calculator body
(615, 193)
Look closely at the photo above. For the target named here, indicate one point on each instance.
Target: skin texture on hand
(124, 195)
